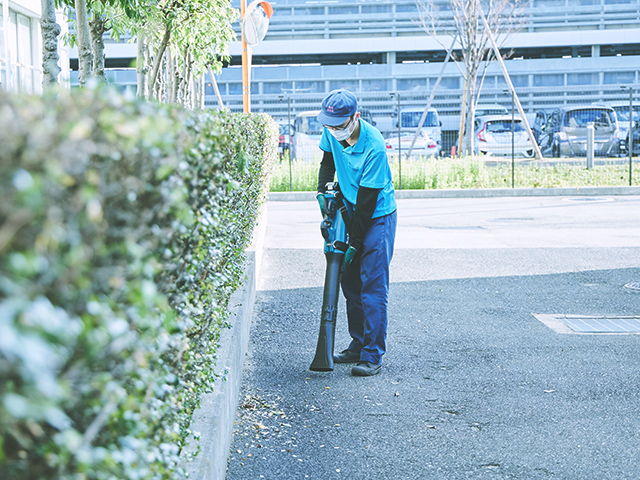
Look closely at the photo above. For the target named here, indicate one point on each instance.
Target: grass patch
(474, 172)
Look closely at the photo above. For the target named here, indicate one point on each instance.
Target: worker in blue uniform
(356, 152)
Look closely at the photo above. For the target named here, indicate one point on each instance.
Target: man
(356, 152)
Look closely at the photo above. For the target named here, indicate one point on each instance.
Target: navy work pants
(365, 285)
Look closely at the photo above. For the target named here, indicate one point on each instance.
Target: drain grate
(591, 324)
(634, 286)
(588, 199)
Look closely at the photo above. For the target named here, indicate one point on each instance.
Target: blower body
(334, 230)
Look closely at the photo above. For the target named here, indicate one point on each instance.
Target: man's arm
(327, 171)
(363, 213)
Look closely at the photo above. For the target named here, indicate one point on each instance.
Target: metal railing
(397, 18)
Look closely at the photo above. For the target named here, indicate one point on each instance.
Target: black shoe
(366, 369)
(347, 356)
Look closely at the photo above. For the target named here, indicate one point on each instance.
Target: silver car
(563, 132)
(501, 135)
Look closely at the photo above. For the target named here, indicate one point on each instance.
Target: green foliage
(123, 227)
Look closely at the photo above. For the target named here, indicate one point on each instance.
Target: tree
(178, 41)
(50, 32)
(503, 16)
(85, 55)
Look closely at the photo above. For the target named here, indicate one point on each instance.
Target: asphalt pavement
(474, 384)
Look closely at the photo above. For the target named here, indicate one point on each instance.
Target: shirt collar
(359, 145)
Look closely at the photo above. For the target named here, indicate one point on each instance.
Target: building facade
(21, 47)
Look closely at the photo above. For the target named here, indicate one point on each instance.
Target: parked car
(410, 118)
(366, 115)
(622, 114)
(502, 135)
(563, 132)
(305, 140)
(424, 146)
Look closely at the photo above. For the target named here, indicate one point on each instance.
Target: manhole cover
(634, 286)
(591, 324)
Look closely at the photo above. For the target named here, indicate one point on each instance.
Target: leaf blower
(334, 228)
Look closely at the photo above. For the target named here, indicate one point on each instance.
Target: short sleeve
(374, 174)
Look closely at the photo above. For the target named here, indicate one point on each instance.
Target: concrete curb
(214, 419)
(478, 193)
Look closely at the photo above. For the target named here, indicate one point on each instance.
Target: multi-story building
(566, 52)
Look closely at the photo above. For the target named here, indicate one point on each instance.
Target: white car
(495, 136)
(424, 146)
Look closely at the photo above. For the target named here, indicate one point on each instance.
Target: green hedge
(123, 227)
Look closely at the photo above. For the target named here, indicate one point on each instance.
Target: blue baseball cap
(337, 107)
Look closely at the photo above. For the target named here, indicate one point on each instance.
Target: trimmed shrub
(123, 227)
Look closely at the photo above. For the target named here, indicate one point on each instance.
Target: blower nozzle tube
(323, 361)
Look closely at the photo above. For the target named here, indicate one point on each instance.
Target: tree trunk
(171, 76)
(463, 112)
(157, 58)
(84, 41)
(141, 68)
(97, 27)
(50, 32)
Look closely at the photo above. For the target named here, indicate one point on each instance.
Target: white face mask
(344, 133)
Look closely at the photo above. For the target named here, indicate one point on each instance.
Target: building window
(375, 85)
(619, 78)
(309, 87)
(276, 88)
(352, 10)
(351, 85)
(552, 80)
(18, 54)
(414, 84)
(451, 83)
(520, 81)
(3, 55)
(308, 11)
(376, 8)
(582, 79)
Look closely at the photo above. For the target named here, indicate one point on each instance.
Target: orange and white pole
(246, 65)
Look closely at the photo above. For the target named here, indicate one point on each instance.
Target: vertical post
(513, 146)
(289, 134)
(246, 66)
(590, 144)
(399, 146)
(630, 137)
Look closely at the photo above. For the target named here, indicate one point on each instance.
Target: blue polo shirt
(363, 164)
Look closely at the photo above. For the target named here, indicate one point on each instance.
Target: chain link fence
(576, 129)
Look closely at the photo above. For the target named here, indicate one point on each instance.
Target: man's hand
(320, 198)
(349, 254)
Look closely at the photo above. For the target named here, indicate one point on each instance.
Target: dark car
(563, 132)
(622, 113)
(635, 139)
(365, 115)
